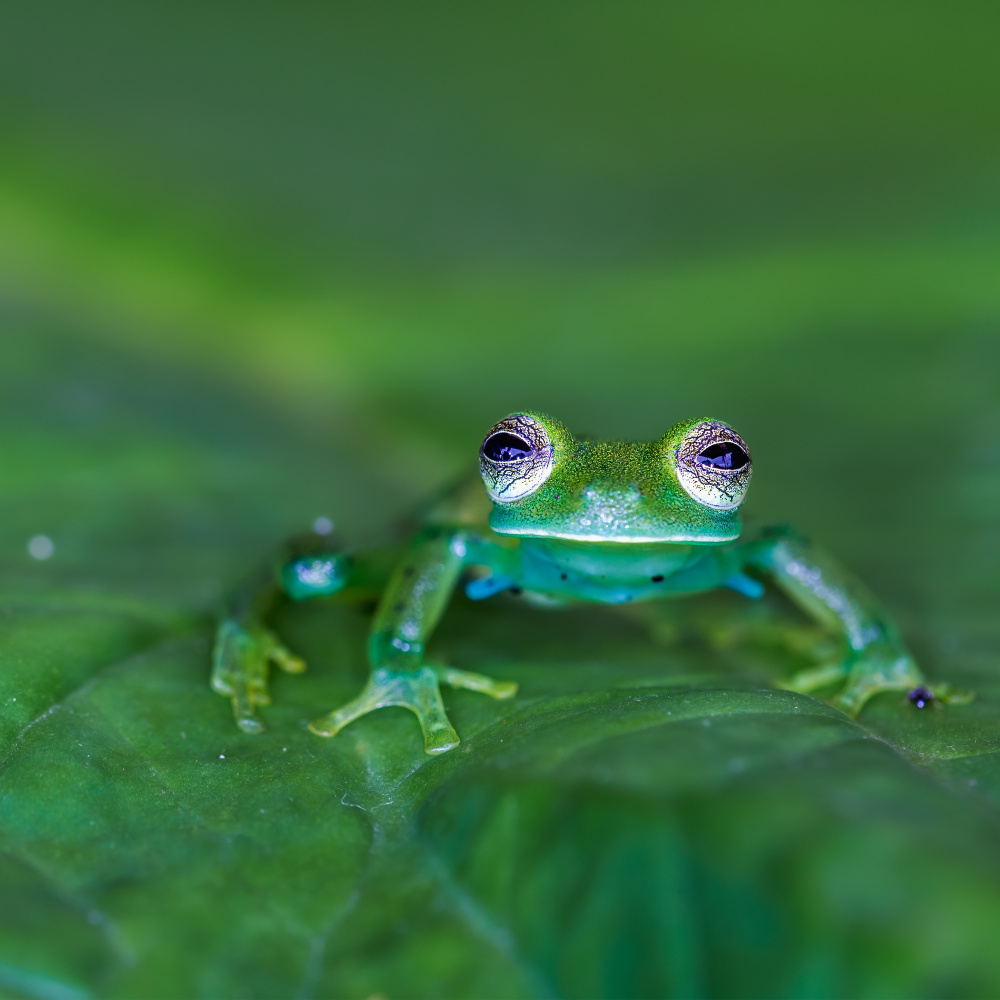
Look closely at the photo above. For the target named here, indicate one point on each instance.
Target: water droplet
(41, 547)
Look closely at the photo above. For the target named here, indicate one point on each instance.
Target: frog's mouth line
(573, 536)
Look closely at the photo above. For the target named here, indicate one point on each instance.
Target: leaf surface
(290, 264)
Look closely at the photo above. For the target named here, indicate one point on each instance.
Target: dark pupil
(724, 455)
(504, 447)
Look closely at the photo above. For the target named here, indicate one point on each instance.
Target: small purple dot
(921, 697)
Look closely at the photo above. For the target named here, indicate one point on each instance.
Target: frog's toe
(954, 696)
(476, 682)
(439, 734)
(245, 695)
(282, 657)
(249, 723)
(332, 723)
(439, 738)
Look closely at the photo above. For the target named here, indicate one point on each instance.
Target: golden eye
(713, 465)
(515, 458)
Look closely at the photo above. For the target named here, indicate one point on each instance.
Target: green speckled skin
(564, 519)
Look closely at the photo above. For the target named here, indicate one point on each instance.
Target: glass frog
(561, 519)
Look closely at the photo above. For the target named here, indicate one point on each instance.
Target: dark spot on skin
(409, 571)
(658, 578)
(921, 697)
(399, 607)
(515, 591)
(368, 607)
(562, 576)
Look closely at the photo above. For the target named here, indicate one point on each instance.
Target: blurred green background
(263, 262)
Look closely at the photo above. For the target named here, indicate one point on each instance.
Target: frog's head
(686, 486)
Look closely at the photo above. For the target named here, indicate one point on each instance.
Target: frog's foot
(869, 676)
(865, 678)
(239, 668)
(419, 691)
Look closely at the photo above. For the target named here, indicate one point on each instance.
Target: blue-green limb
(240, 661)
(245, 648)
(876, 658)
(412, 603)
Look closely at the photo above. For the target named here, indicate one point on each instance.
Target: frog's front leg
(877, 659)
(411, 606)
(245, 647)
(240, 660)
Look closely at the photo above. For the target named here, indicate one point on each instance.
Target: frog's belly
(614, 575)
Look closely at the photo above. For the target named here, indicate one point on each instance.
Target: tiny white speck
(323, 526)
(222, 756)
(284, 749)
(41, 547)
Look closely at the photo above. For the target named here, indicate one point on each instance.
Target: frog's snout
(610, 503)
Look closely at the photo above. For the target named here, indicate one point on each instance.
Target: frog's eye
(722, 455)
(516, 458)
(713, 465)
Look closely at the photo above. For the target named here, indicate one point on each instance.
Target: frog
(562, 519)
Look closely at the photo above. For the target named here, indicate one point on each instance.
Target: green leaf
(263, 268)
